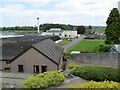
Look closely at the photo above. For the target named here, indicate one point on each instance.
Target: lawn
(88, 45)
(101, 29)
(62, 43)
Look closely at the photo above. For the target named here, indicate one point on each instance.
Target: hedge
(44, 80)
(92, 85)
(97, 73)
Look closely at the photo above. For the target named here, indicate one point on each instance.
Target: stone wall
(107, 59)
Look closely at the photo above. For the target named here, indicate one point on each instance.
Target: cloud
(76, 12)
(34, 3)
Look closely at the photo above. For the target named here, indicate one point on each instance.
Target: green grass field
(88, 45)
(62, 43)
(101, 29)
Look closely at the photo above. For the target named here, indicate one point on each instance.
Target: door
(36, 68)
(44, 69)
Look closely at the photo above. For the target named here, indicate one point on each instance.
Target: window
(65, 35)
(36, 68)
(20, 68)
(44, 69)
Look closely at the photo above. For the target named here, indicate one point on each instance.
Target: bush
(54, 78)
(35, 82)
(97, 73)
(71, 66)
(92, 85)
(103, 48)
(44, 80)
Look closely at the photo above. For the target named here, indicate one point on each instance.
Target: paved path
(9, 79)
(73, 80)
(74, 41)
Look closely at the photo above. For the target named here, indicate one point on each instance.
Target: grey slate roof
(49, 49)
(12, 50)
(99, 31)
(13, 47)
(88, 30)
(89, 36)
(54, 31)
(57, 31)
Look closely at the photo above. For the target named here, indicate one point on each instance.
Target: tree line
(44, 27)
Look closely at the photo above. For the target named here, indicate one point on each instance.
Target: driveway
(8, 80)
(74, 41)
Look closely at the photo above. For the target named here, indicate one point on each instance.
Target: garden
(86, 45)
(98, 77)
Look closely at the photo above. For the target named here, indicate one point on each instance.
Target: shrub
(54, 78)
(44, 80)
(97, 73)
(92, 85)
(35, 82)
(71, 66)
(103, 48)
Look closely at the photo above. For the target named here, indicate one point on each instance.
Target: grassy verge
(101, 29)
(62, 43)
(88, 45)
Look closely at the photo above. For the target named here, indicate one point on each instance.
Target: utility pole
(38, 24)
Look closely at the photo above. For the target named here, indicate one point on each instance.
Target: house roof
(115, 48)
(88, 30)
(99, 31)
(57, 31)
(54, 31)
(49, 49)
(13, 47)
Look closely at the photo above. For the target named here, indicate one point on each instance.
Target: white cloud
(76, 12)
(34, 3)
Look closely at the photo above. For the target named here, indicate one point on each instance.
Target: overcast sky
(75, 12)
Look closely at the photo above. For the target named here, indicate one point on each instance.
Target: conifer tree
(113, 27)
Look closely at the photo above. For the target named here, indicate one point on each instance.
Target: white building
(61, 33)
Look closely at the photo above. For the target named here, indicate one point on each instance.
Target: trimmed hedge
(92, 85)
(71, 66)
(44, 80)
(97, 73)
